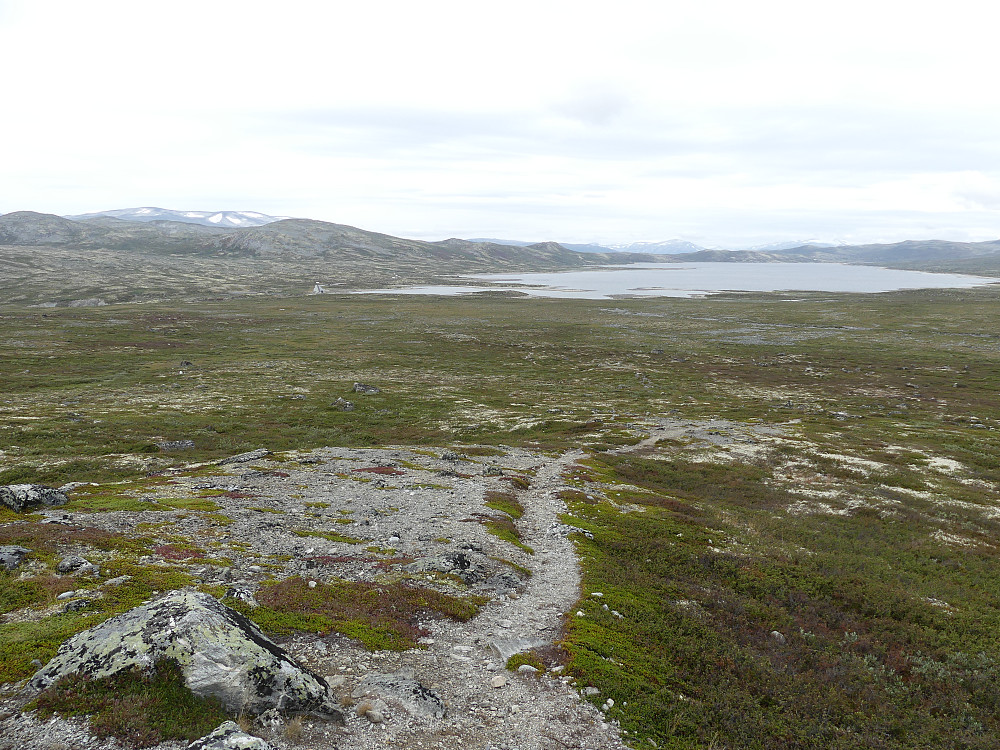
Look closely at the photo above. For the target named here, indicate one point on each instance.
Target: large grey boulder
(229, 736)
(11, 556)
(220, 652)
(19, 497)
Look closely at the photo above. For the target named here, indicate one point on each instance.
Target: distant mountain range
(228, 219)
(670, 247)
(282, 238)
(283, 254)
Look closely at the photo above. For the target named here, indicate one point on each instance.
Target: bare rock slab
(402, 689)
(20, 497)
(243, 458)
(220, 652)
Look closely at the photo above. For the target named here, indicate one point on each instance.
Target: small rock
(527, 669)
(374, 716)
(11, 556)
(498, 681)
(229, 736)
(777, 637)
(243, 458)
(335, 680)
(312, 584)
(591, 691)
(366, 389)
(492, 471)
(343, 404)
(66, 595)
(70, 563)
(271, 719)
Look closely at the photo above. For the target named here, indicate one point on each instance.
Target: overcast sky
(725, 123)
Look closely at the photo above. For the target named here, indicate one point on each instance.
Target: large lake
(699, 279)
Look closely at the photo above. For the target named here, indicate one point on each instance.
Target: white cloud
(575, 121)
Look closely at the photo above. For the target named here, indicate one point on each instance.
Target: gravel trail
(417, 513)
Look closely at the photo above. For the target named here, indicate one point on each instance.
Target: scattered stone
(75, 606)
(18, 497)
(242, 458)
(504, 648)
(366, 389)
(498, 681)
(11, 556)
(591, 691)
(175, 445)
(220, 653)
(66, 595)
(343, 404)
(403, 689)
(527, 669)
(778, 637)
(229, 736)
(492, 471)
(70, 563)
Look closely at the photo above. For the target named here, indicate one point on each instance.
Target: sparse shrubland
(802, 555)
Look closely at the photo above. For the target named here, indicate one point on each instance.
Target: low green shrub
(140, 709)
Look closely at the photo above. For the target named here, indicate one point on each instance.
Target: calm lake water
(698, 279)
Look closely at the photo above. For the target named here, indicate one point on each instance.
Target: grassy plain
(806, 558)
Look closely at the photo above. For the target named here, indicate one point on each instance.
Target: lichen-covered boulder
(19, 497)
(220, 652)
(229, 736)
(11, 556)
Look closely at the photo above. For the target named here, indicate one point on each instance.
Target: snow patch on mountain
(207, 218)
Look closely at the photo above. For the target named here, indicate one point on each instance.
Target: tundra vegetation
(791, 501)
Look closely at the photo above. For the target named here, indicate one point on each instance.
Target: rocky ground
(419, 505)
